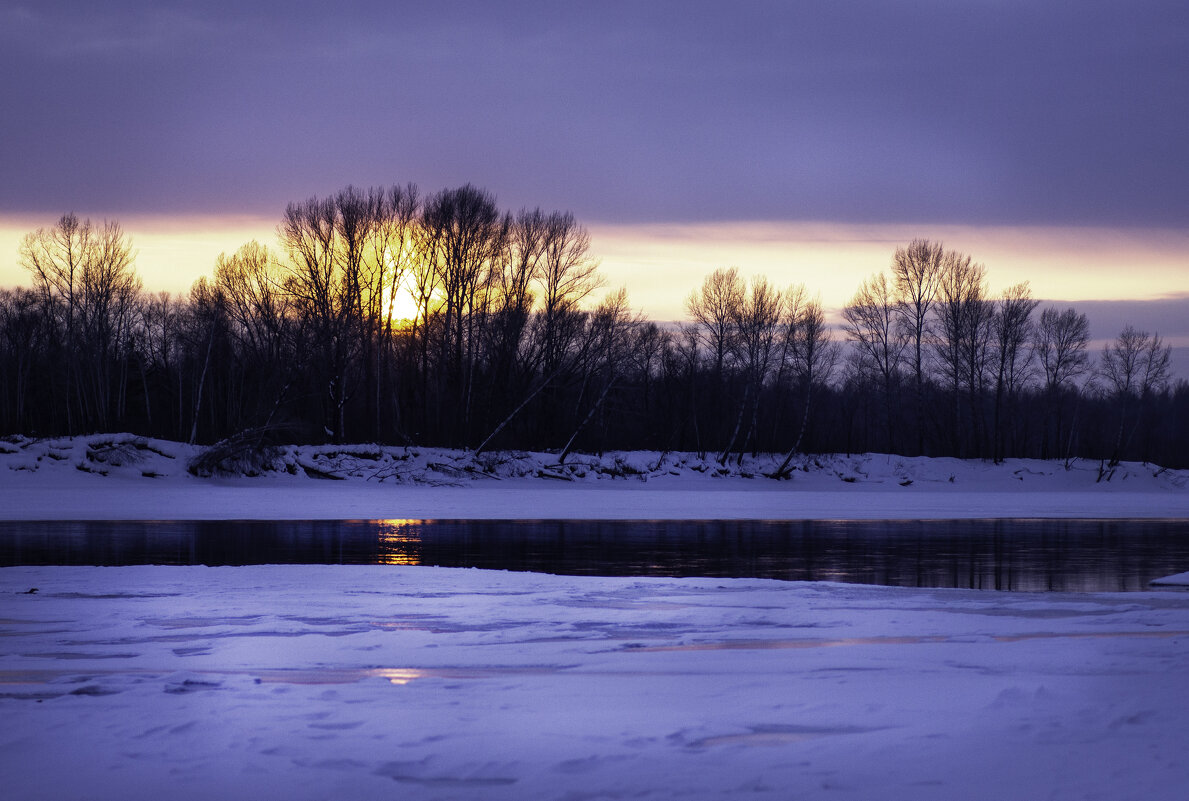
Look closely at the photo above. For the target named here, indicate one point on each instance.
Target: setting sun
(401, 307)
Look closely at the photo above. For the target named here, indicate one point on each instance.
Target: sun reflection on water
(399, 542)
(397, 676)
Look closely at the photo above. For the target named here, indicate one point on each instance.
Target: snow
(133, 478)
(378, 682)
(1177, 580)
(320, 682)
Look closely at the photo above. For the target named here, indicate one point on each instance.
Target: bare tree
(1134, 367)
(208, 317)
(425, 287)
(870, 322)
(158, 333)
(814, 356)
(359, 217)
(396, 213)
(252, 284)
(650, 349)
(608, 351)
(687, 359)
(514, 300)
(1060, 347)
(84, 275)
(756, 325)
(713, 311)
(468, 238)
(1135, 364)
(796, 300)
(916, 270)
(566, 275)
(355, 219)
(1012, 329)
(963, 325)
(249, 285)
(325, 296)
(524, 264)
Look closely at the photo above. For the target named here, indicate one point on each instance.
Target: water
(1030, 555)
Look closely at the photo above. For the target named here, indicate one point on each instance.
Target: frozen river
(316, 682)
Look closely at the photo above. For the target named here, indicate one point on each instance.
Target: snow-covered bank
(319, 682)
(126, 477)
(1175, 580)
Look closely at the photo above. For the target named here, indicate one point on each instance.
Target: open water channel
(1028, 555)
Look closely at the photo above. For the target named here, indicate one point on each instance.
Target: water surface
(1035, 555)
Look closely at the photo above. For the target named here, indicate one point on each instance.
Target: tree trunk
(201, 380)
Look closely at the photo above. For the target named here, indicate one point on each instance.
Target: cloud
(1167, 316)
(921, 111)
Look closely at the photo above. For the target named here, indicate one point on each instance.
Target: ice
(311, 682)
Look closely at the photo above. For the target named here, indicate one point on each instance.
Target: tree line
(385, 315)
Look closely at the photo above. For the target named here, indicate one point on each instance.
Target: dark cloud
(1168, 316)
(927, 110)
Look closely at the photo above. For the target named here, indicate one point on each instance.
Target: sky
(805, 141)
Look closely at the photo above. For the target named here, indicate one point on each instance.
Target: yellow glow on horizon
(660, 264)
(171, 252)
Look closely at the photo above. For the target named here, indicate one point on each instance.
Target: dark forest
(508, 348)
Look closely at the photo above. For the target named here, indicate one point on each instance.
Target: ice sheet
(319, 682)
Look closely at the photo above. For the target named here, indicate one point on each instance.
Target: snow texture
(126, 477)
(331, 682)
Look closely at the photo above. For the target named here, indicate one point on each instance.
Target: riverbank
(122, 477)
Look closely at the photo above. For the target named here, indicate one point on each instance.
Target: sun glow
(400, 307)
(660, 264)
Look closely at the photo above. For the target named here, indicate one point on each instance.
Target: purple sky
(1050, 139)
(975, 112)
